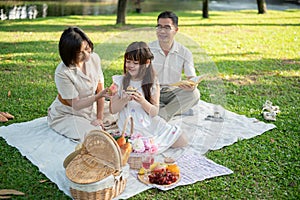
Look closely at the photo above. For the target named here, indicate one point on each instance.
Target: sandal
(215, 118)
(271, 116)
(269, 107)
(275, 109)
(269, 111)
(7, 115)
(3, 118)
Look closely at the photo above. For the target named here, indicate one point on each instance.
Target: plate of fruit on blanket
(161, 174)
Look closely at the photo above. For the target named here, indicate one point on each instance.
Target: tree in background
(262, 7)
(121, 12)
(205, 8)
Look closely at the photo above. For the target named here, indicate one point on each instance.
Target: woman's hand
(105, 93)
(98, 122)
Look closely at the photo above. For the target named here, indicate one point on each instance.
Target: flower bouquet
(140, 146)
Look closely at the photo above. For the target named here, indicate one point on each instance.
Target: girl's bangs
(132, 55)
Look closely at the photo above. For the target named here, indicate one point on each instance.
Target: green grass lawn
(255, 57)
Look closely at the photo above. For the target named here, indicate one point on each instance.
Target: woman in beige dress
(79, 80)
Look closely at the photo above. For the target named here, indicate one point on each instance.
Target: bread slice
(131, 90)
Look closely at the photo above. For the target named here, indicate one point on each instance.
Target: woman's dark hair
(169, 14)
(139, 51)
(70, 44)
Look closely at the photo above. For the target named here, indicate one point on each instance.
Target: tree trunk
(205, 9)
(262, 7)
(121, 12)
(138, 7)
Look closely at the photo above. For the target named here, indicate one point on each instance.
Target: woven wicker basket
(95, 171)
(134, 160)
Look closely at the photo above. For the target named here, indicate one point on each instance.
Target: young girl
(142, 105)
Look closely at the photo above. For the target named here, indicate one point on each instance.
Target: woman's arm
(78, 103)
(100, 107)
(100, 102)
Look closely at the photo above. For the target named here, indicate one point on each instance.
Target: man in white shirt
(171, 59)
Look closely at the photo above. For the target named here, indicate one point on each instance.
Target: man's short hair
(169, 14)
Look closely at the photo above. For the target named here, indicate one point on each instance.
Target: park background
(257, 57)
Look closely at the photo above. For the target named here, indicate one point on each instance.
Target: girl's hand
(138, 97)
(126, 96)
(98, 122)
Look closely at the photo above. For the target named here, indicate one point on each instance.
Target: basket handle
(125, 125)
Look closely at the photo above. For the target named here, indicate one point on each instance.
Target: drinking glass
(147, 161)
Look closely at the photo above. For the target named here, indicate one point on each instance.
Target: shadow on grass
(118, 28)
(33, 90)
(60, 28)
(243, 24)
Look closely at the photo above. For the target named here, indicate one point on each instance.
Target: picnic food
(169, 160)
(141, 171)
(161, 174)
(160, 167)
(121, 140)
(153, 166)
(173, 168)
(130, 90)
(164, 174)
(165, 178)
(126, 149)
(112, 90)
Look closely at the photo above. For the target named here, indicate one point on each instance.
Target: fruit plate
(141, 178)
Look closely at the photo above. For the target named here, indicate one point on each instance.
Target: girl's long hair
(139, 51)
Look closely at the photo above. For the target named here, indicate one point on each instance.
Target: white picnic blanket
(47, 150)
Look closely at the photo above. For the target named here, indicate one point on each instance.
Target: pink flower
(147, 143)
(142, 144)
(136, 135)
(154, 148)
